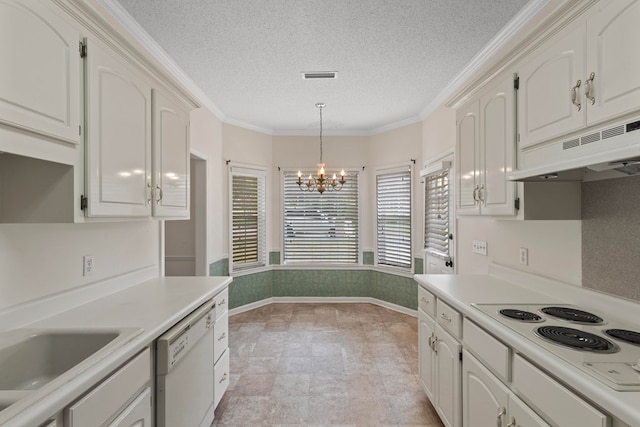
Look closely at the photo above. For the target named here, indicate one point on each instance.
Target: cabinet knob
(160, 194)
(512, 423)
(501, 413)
(445, 317)
(223, 302)
(223, 336)
(224, 378)
(424, 300)
(588, 88)
(574, 95)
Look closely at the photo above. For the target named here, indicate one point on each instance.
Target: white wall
(206, 139)
(37, 260)
(554, 246)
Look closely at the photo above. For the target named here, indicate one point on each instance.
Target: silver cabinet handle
(475, 194)
(223, 379)
(424, 300)
(574, 95)
(481, 193)
(223, 336)
(223, 302)
(512, 423)
(445, 317)
(501, 413)
(149, 193)
(588, 88)
(160, 194)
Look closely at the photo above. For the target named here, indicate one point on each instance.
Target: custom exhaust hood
(608, 152)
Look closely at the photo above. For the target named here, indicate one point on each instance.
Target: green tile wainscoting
(367, 258)
(274, 258)
(253, 287)
(418, 265)
(219, 268)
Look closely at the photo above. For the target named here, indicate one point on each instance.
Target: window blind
(393, 201)
(436, 218)
(320, 227)
(248, 221)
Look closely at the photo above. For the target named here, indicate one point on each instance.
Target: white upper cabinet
(550, 97)
(612, 60)
(171, 157)
(40, 77)
(485, 152)
(118, 148)
(585, 75)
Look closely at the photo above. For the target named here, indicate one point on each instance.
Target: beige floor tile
(324, 365)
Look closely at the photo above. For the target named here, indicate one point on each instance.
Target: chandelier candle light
(321, 183)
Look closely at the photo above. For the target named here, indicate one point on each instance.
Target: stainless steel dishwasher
(184, 371)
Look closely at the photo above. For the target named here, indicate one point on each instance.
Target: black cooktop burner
(525, 316)
(576, 339)
(630, 337)
(572, 314)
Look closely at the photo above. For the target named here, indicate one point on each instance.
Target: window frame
(307, 264)
(261, 174)
(436, 167)
(386, 170)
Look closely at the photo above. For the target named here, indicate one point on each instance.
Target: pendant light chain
(321, 133)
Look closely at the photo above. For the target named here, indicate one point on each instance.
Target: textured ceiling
(393, 57)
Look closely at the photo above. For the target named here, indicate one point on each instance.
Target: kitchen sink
(31, 358)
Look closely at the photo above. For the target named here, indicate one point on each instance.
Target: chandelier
(320, 183)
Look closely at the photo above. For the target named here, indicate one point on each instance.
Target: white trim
(250, 270)
(32, 311)
(201, 173)
(395, 271)
(435, 168)
(327, 300)
(320, 266)
(444, 155)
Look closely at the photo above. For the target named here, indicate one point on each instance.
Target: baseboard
(329, 300)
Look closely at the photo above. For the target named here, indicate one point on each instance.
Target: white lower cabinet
(439, 369)
(122, 399)
(487, 401)
(221, 347)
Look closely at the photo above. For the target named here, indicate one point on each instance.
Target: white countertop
(153, 305)
(460, 291)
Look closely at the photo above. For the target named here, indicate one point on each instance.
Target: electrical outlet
(479, 247)
(524, 256)
(87, 261)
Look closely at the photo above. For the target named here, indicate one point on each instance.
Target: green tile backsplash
(250, 288)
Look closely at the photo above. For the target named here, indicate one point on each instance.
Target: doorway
(185, 241)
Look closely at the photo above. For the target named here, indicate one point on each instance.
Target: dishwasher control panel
(174, 344)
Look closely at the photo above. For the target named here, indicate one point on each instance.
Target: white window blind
(320, 227)
(393, 201)
(248, 222)
(436, 218)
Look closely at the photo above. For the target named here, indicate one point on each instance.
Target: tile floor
(324, 364)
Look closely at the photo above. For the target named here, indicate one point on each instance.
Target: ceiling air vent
(319, 75)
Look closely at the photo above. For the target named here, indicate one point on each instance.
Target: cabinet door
(118, 145)
(545, 107)
(447, 377)
(497, 111)
(137, 414)
(612, 31)
(467, 155)
(426, 333)
(484, 397)
(171, 158)
(40, 76)
(520, 415)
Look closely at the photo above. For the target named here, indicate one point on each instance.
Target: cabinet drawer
(492, 352)
(221, 375)
(426, 301)
(551, 399)
(222, 302)
(449, 318)
(138, 413)
(221, 336)
(108, 398)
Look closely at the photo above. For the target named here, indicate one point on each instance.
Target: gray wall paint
(611, 236)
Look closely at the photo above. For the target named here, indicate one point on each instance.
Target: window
(320, 227)
(248, 222)
(393, 202)
(436, 218)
